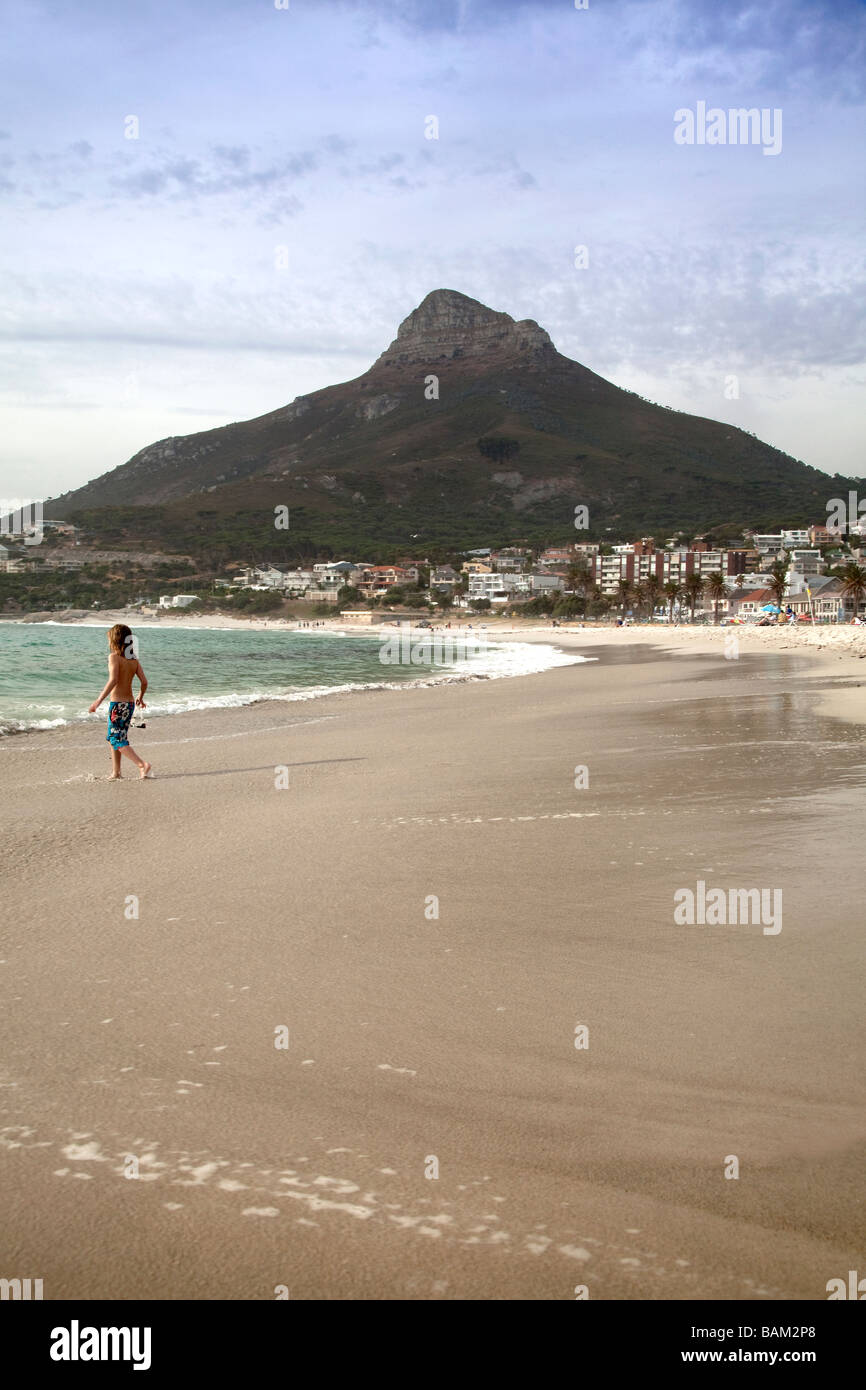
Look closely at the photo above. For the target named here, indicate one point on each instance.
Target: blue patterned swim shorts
(119, 714)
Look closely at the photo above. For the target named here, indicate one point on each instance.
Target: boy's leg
(143, 767)
(116, 774)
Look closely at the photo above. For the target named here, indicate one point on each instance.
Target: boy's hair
(120, 639)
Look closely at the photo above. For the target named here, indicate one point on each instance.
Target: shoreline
(830, 653)
(423, 658)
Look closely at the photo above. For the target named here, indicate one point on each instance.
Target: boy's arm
(112, 677)
(142, 680)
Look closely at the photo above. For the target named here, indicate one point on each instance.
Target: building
(502, 588)
(822, 535)
(770, 542)
(499, 588)
(826, 602)
(376, 580)
(270, 577)
(444, 577)
(359, 615)
(298, 582)
(806, 561)
(752, 603)
(336, 572)
(556, 555)
(511, 557)
(546, 583)
(751, 581)
(177, 600)
(637, 564)
(68, 560)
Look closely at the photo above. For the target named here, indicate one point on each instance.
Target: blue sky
(142, 296)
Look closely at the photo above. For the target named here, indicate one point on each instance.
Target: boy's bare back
(122, 669)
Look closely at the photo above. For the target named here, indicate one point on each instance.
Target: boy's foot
(114, 777)
(144, 771)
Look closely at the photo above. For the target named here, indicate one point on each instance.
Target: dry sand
(413, 1037)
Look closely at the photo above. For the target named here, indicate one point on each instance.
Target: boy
(122, 666)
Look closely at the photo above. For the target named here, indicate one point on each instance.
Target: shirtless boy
(122, 666)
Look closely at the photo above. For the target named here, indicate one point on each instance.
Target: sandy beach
(433, 910)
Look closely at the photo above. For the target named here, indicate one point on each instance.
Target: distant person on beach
(122, 667)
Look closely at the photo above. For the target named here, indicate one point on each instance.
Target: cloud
(222, 171)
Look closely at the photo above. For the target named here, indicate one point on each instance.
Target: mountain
(470, 428)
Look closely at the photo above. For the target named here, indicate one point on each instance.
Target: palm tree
(672, 591)
(624, 593)
(778, 581)
(694, 587)
(599, 601)
(854, 585)
(652, 589)
(717, 590)
(578, 579)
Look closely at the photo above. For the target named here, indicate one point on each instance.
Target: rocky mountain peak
(448, 325)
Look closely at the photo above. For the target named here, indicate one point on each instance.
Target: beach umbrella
(770, 608)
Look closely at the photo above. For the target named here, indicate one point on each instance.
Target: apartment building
(498, 588)
(806, 561)
(638, 564)
(501, 588)
(774, 541)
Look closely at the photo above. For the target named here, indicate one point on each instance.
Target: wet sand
(413, 1038)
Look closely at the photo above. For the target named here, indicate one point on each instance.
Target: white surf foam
(493, 662)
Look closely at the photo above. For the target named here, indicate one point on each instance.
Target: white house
(497, 587)
(500, 588)
(339, 572)
(177, 600)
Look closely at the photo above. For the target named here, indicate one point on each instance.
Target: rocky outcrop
(378, 406)
(447, 326)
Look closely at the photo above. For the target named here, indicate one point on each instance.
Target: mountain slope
(395, 454)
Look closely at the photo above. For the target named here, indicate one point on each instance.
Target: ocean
(51, 672)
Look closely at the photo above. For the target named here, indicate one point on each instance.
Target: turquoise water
(50, 673)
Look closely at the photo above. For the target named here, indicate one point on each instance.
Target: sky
(212, 208)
